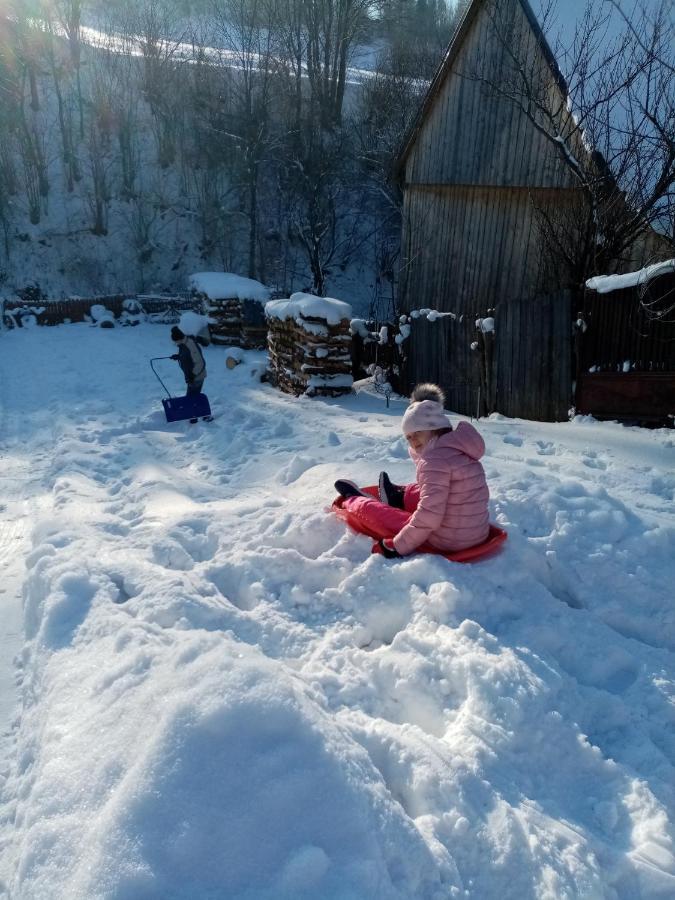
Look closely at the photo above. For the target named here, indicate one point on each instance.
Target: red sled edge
(496, 535)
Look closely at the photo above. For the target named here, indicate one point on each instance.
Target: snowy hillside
(128, 191)
(223, 694)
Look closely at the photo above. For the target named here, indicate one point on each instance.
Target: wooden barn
(476, 172)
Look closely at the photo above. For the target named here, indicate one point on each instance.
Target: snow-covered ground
(223, 694)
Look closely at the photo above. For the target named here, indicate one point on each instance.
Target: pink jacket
(452, 510)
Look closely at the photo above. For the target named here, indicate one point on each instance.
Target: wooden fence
(47, 312)
(368, 353)
(626, 354)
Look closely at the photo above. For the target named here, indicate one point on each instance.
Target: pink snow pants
(378, 519)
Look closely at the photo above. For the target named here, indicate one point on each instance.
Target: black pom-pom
(427, 391)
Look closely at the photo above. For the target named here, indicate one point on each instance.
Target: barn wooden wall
(471, 135)
(473, 177)
(470, 250)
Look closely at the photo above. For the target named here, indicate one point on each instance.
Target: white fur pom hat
(425, 412)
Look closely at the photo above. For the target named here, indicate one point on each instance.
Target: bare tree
(386, 105)
(332, 27)
(610, 119)
(325, 204)
(244, 29)
(291, 54)
(116, 65)
(68, 13)
(163, 49)
(100, 145)
(21, 98)
(61, 74)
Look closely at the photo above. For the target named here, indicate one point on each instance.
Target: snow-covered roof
(307, 305)
(603, 284)
(227, 286)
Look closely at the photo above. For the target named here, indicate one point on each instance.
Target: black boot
(389, 493)
(349, 489)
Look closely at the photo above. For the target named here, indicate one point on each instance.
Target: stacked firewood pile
(309, 345)
(237, 323)
(226, 320)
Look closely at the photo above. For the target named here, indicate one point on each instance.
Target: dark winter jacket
(191, 360)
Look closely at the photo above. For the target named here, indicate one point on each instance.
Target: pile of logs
(225, 321)
(309, 345)
(238, 323)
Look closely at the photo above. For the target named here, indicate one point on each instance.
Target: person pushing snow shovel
(191, 360)
(448, 505)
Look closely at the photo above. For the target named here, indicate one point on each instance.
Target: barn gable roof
(451, 54)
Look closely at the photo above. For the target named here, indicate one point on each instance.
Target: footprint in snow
(294, 469)
(125, 590)
(282, 429)
(546, 448)
(664, 487)
(171, 555)
(513, 439)
(591, 461)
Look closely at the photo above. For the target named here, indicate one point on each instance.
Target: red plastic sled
(493, 542)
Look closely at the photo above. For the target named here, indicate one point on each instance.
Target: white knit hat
(425, 412)
(427, 415)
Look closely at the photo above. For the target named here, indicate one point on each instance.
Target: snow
(222, 693)
(100, 315)
(432, 315)
(358, 326)
(336, 381)
(301, 305)
(193, 323)
(404, 333)
(226, 286)
(603, 284)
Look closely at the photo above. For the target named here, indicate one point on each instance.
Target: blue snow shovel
(194, 406)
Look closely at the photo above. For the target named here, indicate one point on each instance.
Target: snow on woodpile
(309, 344)
(227, 286)
(235, 307)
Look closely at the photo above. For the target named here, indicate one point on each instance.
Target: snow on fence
(17, 313)
(309, 345)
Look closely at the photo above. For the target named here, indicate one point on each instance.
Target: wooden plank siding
(470, 250)
(474, 175)
(619, 331)
(472, 136)
(640, 397)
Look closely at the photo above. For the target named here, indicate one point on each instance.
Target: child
(448, 506)
(190, 359)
